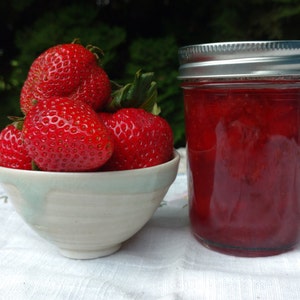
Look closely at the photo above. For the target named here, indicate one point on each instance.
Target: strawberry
(12, 150)
(65, 135)
(141, 138)
(66, 70)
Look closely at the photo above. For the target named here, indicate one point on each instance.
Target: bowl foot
(86, 254)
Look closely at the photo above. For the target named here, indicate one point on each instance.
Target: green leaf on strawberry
(141, 93)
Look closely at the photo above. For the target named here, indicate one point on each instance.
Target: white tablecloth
(162, 261)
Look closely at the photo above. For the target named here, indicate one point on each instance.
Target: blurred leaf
(62, 26)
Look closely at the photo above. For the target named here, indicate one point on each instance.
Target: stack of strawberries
(75, 119)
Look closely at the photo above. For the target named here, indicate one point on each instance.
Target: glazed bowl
(88, 215)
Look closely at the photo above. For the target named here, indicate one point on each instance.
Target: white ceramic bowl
(88, 215)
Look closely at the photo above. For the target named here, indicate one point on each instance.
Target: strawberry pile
(76, 119)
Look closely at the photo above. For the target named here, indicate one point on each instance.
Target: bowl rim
(169, 163)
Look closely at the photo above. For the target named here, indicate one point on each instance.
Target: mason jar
(242, 118)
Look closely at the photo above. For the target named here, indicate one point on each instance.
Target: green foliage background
(134, 34)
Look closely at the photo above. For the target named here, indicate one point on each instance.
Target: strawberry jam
(244, 163)
(242, 117)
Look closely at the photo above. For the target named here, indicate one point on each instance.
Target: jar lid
(240, 59)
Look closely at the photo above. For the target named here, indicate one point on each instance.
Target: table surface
(162, 261)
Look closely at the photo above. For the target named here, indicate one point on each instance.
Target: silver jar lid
(240, 59)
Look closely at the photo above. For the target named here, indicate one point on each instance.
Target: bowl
(88, 215)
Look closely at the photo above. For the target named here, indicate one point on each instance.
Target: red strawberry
(65, 135)
(141, 139)
(67, 70)
(12, 151)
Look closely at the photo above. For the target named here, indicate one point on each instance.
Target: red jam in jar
(242, 114)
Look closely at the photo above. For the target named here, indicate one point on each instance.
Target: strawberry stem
(76, 41)
(141, 93)
(98, 52)
(34, 166)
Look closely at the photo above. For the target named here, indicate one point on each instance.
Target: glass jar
(242, 116)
